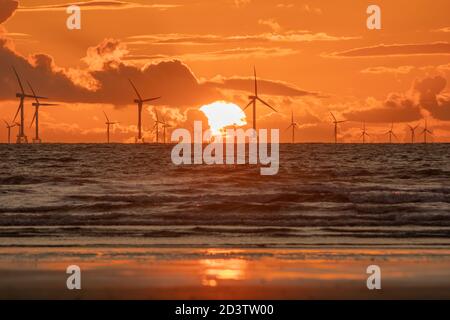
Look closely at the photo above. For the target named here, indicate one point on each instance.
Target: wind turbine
(9, 127)
(108, 125)
(391, 133)
(255, 98)
(36, 105)
(156, 126)
(425, 131)
(139, 101)
(294, 126)
(21, 137)
(364, 133)
(413, 132)
(165, 126)
(336, 122)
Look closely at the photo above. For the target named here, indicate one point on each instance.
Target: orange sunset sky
(312, 57)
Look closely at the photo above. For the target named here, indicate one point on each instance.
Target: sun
(222, 114)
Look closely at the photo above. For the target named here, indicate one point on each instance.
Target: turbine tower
(425, 131)
(413, 132)
(9, 127)
(108, 125)
(294, 126)
(391, 133)
(36, 105)
(21, 137)
(140, 102)
(336, 123)
(255, 98)
(364, 133)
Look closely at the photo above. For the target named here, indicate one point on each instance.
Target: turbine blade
(17, 113)
(256, 82)
(334, 118)
(107, 119)
(288, 127)
(34, 93)
(34, 96)
(151, 99)
(251, 101)
(135, 90)
(18, 80)
(7, 124)
(34, 118)
(48, 104)
(265, 103)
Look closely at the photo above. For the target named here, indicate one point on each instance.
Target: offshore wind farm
(22, 138)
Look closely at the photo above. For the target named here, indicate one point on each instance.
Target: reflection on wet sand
(152, 273)
(222, 269)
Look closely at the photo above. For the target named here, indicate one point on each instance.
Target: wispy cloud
(227, 54)
(99, 5)
(383, 50)
(445, 29)
(392, 70)
(406, 69)
(197, 39)
(271, 23)
(241, 3)
(310, 9)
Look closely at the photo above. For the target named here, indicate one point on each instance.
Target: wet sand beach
(207, 273)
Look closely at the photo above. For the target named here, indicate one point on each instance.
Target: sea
(344, 195)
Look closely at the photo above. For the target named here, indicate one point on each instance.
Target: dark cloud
(397, 49)
(106, 79)
(7, 8)
(396, 108)
(170, 79)
(431, 98)
(267, 87)
(427, 95)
